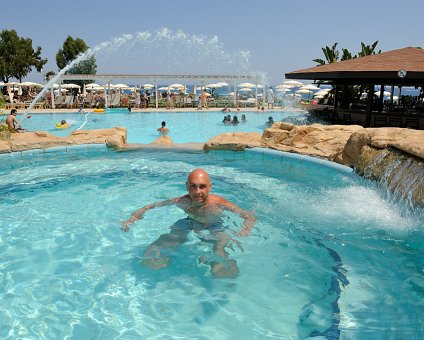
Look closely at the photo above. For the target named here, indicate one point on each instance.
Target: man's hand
(126, 224)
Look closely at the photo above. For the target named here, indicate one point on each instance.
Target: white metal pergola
(155, 78)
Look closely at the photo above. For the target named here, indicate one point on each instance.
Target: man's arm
(248, 217)
(16, 123)
(138, 214)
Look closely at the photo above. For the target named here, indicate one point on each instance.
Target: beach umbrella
(120, 86)
(304, 91)
(70, 86)
(30, 83)
(283, 86)
(247, 85)
(245, 89)
(283, 89)
(292, 83)
(166, 88)
(148, 86)
(91, 85)
(177, 86)
(321, 92)
(309, 87)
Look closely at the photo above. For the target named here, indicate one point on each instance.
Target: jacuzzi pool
(329, 255)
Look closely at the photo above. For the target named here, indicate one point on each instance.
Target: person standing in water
(163, 129)
(204, 214)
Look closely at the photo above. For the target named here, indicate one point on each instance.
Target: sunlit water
(328, 256)
(184, 127)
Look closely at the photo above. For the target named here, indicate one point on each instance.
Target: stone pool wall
(115, 137)
(394, 156)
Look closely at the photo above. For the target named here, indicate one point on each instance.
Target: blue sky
(278, 36)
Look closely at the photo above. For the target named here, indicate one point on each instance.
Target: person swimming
(163, 129)
(204, 212)
(270, 122)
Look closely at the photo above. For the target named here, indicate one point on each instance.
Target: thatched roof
(382, 68)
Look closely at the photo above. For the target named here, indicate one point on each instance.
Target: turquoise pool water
(197, 126)
(329, 255)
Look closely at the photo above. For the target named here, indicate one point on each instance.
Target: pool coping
(300, 157)
(183, 147)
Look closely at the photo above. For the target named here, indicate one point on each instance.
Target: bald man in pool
(204, 214)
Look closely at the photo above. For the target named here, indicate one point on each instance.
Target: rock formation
(114, 137)
(394, 156)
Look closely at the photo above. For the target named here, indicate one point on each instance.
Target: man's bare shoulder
(181, 199)
(216, 199)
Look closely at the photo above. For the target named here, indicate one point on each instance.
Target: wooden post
(369, 104)
(380, 108)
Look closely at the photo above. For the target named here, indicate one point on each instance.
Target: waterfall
(397, 173)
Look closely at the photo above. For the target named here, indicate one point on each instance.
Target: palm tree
(367, 49)
(346, 55)
(330, 53)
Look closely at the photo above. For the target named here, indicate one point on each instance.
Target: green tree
(48, 74)
(17, 56)
(346, 54)
(367, 49)
(330, 53)
(72, 48)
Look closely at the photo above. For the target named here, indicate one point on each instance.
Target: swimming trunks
(191, 224)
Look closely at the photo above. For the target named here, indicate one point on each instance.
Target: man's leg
(227, 267)
(155, 255)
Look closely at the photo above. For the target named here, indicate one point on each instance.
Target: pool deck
(4, 111)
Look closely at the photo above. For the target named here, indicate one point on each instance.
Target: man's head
(163, 124)
(198, 186)
(13, 112)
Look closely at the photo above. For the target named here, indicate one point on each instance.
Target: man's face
(198, 188)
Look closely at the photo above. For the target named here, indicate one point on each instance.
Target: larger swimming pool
(197, 126)
(329, 256)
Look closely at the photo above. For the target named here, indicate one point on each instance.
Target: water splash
(168, 52)
(161, 52)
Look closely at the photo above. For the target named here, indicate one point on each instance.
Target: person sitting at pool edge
(12, 122)
(163, 129)
(204, 214)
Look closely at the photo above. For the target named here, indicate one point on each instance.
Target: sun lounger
(68, 102)
(88, 100)
(116, 100)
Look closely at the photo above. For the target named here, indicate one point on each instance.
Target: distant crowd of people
(234, 120)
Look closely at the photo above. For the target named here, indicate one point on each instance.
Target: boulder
(115, 137)
(99, 136)
(236, 141)
(407, 140)
(324, 141)
(36, 140)
(352, 150)
(163, 140)
(5, 146)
